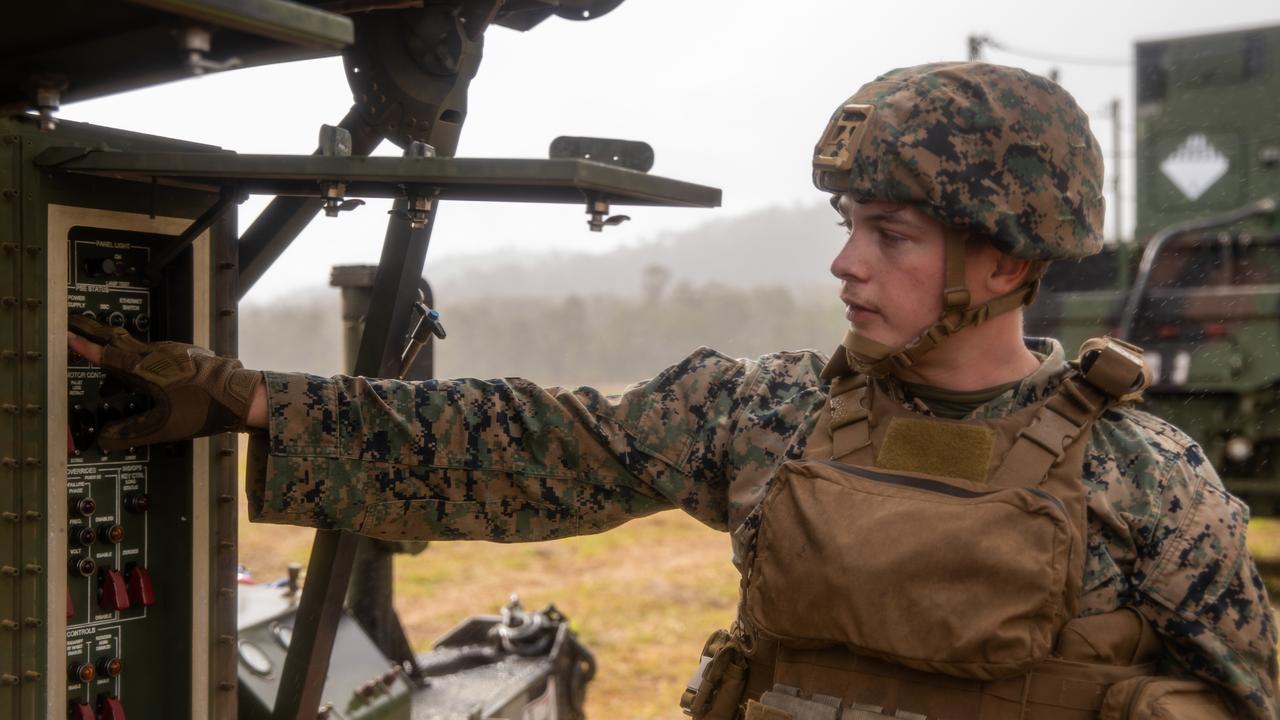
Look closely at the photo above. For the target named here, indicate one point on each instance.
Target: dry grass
(642, 597)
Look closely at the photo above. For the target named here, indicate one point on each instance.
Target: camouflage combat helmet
(985, 149)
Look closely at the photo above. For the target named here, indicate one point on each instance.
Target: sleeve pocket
(1202, 555)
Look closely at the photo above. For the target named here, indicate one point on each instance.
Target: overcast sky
(730, 93)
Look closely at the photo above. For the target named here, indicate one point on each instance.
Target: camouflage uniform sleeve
(500, 460)
(1200, 588)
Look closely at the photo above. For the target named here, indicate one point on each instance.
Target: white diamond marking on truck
(1195, 166)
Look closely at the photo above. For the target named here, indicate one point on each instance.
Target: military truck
(1199, 288)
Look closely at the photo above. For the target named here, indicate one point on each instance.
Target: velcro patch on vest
(934, 447)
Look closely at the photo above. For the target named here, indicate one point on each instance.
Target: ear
(1008, 273)
(991, 273)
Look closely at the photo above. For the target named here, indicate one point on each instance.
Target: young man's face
(890, 269)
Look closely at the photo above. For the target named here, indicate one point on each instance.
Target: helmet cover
(986, 148)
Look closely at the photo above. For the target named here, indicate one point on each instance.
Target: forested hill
(745, 286)
(787, 247)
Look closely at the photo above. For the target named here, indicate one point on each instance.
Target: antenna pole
(1117, 158)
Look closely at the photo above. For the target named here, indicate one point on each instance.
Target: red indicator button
(110, 708)
(111, 590)
(83, 673)
(109, 667)
(81, 711)
(141, 591)
(110, 534)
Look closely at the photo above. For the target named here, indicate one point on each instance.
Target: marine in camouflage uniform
(508, 461)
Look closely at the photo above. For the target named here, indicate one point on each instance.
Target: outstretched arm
(499, 460)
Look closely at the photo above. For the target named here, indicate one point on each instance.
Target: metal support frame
(404, 252)
(284, 219)
(370, 593)
(226, 198)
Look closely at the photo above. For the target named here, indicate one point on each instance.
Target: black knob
(81, 673)
(136, 502)
(141, 322)
(83, 566)
(109, 666)
(87, 536)
(86, 506)
(102, 267)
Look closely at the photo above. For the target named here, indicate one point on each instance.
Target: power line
(977, 42)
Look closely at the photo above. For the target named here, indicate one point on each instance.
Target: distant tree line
(599, 339)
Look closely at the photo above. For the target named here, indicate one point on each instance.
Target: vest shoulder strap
(850, 418)
(1111, 372)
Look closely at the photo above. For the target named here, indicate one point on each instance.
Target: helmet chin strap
(866, 356)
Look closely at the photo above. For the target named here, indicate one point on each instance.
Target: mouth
(855, 311)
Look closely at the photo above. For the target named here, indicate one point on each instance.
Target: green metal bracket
(508, 180)
(288, 22)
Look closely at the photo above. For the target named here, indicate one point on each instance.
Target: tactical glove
(193, 392)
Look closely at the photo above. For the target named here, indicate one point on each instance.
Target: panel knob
(136, 502)
(81, 673)
(110, 534)
(86, 506)
(109, 667)
(103, 267)
(82, 566)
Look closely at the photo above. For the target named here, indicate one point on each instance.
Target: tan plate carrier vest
(931, 569)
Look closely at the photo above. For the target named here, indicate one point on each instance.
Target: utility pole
(975, 46)
(1116, 159)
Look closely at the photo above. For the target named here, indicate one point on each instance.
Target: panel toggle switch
(71, 608)
(111, 590)
(81, 711)
(110, 708)
(141, 592)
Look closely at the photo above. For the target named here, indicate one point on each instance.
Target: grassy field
(643, 597)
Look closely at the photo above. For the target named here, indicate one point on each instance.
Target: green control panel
(128, 548)
(117, 569)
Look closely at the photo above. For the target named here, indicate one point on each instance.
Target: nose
(851, 262)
